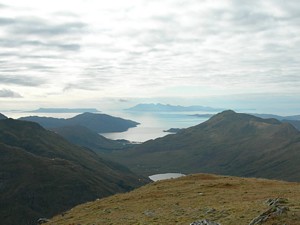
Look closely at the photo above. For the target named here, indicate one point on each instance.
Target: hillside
(226, 200)
(229, 143)
(100, 123)
(42, 174)
(2, 117)
(85, 137)
(295, 123)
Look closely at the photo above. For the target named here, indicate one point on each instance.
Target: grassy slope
(229, 143)
(227, 200)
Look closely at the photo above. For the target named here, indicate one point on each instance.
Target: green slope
(42, 174)
(229, 143)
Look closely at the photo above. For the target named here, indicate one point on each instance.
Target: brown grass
(227, 200)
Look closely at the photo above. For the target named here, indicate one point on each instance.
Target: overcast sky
(90, 52)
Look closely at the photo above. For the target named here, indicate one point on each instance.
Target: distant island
(203, 115)
(171, 108)
(173, 130)
(65, 110)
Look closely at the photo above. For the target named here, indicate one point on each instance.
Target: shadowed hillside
(85, 137)
(2, 117)
(42, 174)
(226, 200)
(228, 143)
(100, 123)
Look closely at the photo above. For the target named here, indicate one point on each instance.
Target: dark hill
(85, 137)
(228, 143)
(100, 123)
(2, 117)
(295, 123)
(41, 174)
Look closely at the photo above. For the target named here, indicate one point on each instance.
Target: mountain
(65, 110)
(100, 123)
(199, 197)
(85, 137)
(268, 116)
(2, 117)
(170, 108)
(41, 174)
(228, 143)
(294, 120)
(295, 123)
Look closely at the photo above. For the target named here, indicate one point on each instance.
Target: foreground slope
(42, 174)
(228, 143)
(226, 200)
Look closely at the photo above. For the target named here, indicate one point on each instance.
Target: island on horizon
(65, 110)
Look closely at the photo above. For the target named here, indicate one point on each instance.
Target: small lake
(165, 176)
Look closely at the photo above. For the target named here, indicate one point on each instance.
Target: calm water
(153, 125)
(165, 176)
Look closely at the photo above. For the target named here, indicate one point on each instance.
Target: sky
(236, 54)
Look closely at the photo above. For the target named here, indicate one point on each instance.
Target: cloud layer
(150, 48)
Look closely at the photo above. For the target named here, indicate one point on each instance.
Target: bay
(153, 125)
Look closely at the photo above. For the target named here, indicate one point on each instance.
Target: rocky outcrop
(204, 222)
(277, 208)
(42, 220)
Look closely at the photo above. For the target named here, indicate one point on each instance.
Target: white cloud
(147, 48)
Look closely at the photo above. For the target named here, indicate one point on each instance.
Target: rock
(212, 210)
(42, 220)
(204, 222)
(276, 201)
(276, 209)
(149, 213)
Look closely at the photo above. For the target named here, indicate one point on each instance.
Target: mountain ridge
(100, 123)
(229, 143)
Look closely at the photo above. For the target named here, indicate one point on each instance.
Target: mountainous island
(41, 174)
(171, 108)
(229, 143)
(100, 123)
(65, 110)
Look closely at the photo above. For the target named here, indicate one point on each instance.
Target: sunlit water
(152, 125)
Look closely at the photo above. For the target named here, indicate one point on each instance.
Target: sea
(152, 124)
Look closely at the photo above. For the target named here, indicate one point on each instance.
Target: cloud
(149, 47)
(3, 6)
(21, 80)
(6, 93)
